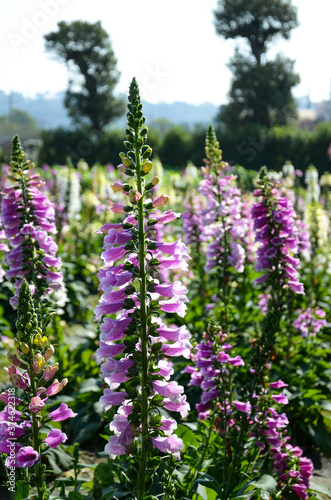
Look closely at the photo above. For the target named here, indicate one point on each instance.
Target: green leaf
(104, 474)
(187, 436)
(114, 490)
(87, 432)
(209, 482)
(75, 495)
(22, 490)
(206, 493)
(267, 483)
(89, 385)
(181, 472)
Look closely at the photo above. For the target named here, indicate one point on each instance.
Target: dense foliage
(252, 148)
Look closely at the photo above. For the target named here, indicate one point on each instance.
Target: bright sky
(169, 45)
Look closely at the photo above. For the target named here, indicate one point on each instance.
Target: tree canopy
(260, 93)
(87, 47)
(259, 21)
(261, 90)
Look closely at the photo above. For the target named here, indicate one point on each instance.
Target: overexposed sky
(170, 46)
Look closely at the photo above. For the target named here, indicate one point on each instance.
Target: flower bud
(24, 348)
(160, 201)
(50, 371)
(126, 161)
(43, 341)
(117, 208)
(13, 359)
(38, 363)
(49, 353)
(134, 196)
(147, 167)
(37, 339)
(117, 186)
(36, 404)
(121, 168)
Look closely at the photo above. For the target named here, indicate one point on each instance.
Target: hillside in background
(49, 112)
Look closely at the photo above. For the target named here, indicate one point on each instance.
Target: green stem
(225, 278)
(35, 432)
(144, 339)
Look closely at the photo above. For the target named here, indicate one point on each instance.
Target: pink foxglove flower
(135, 344)
(28, 221)
(277, 234)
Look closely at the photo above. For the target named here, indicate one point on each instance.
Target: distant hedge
(251, 148)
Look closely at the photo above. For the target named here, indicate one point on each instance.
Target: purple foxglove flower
(10, 430)
(278, 384)
(119, 444)
(173, 305)
(165, 369)
(55, 437)
(174, 334)
(181, 348)
(55, 387)
(223, 357)
(243, 407)
(170, 390)
(277, 422)
(16, 378)
(116, 366)
(108, 349)
(62, 413)
(6, 446)
(168, 425)
(181, 406)
(280, 398)
(112, 398)
(25, 457)
(113, 254)
(105, 307)
(166, 217)
(171, 444)
(116, 238)
(176, 289)
(106, 227)
(160, 201)
(296, 287)
(36, 404)
(300, 489)
(9, 414)
(50, 371)
(115, 379)
(236, 361)
(117, 208)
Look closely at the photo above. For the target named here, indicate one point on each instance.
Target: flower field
(176, 326)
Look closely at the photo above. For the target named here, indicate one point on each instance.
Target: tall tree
(86, 46)
(261, 90)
